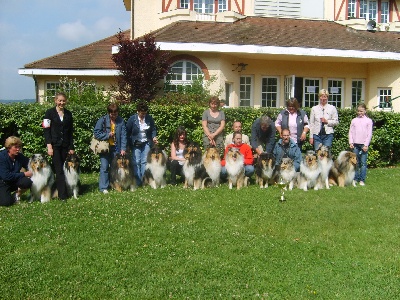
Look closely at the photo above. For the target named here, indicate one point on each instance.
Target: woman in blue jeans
(111, 128)
(142, 135)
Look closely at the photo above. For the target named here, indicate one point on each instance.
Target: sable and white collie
(310, 170)
(212, 164)
(288, 172)
(265, 169)
(72, 173)
(121, 175)
(42, 178)
(156, 167)
(326, 163)
(343, 169)
(193, 168)
(235, 168)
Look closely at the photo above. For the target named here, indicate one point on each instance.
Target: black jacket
(59, 134)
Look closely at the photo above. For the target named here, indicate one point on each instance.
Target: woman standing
(323, 118)
(294, 119)
(142, 134)
(213, 123)
(58, 130)
(111, 128)
(12, 179)
(178, 145)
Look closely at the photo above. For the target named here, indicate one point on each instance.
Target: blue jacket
(133, 129)
(103, 134)
(263, 138)
(10, 171)
(293, 153)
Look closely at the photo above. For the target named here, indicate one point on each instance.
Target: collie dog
(72, 173)
(121, 175)
(287, 172)
(310, 170)
(42, 178)
(265, 167)
(343, 169)
(212, 164)
(326, 163)
(156, 167)
(235, 168)
(193, 168)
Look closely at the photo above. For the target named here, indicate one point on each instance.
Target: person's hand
(155, 140)
(71, 151)
(351, 146)
(365, 148)
(123, 152)
(259, 151)
(28, 174)
(311, 140)
(50, 151)
(323, 120)
(111, 134)
(303, 136)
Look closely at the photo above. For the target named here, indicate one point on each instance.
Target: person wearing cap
(13, 179)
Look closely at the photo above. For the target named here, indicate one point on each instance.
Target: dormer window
(204, 6)
(368, 10)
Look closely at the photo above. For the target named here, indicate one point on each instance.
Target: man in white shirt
(237, 127)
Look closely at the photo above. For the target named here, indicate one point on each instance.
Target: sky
(35, 29)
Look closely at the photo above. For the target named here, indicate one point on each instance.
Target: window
(351, 9)
(204, 6)
(222, 5)
(269, 92)
(182, 73)
(51, 90)
(184, 4)
(335, 89)
(385, 98)
(311, 90)
(245, 91)
(357, 92)
(369, 10)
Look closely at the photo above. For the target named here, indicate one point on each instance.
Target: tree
(142, 65)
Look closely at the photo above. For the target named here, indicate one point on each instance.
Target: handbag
(98, 146)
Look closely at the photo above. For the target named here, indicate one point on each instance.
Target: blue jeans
(105, 162)
(139, 158)
(361, 169)
(324, 139)
(248, 171)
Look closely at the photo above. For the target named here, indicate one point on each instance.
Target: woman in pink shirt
(360, 134)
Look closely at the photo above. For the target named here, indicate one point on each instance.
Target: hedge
(24, 120)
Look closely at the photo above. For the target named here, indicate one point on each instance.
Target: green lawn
(342, 243)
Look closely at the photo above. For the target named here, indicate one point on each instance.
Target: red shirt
(244, 149)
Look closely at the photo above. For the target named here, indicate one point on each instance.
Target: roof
(259, 31)
(93, 56)
(268, 31)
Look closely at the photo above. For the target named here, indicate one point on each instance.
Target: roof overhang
(281, 52)
(69, 72)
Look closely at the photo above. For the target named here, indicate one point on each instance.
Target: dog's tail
(206, 183)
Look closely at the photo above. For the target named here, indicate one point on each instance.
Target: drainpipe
(36, 88)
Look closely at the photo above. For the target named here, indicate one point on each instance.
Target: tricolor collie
(72, 174)
(42, 178)
(234, 164)
(193, 168)
(287, 172)
(310, 170)
(212, 164)
(265, 167)
(121, 175)
(343, 169)
(326, 163)
(156, 167)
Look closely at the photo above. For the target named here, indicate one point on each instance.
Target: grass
(341, 243)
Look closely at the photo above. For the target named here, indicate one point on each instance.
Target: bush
(24, 120)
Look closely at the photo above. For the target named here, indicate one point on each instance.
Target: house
(258, 52)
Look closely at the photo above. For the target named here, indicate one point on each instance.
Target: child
(360, 134)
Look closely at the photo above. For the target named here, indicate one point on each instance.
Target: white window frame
(385, 11)
(369, 10)
(384, 97)
(184, 4)
(246, 91)
(186, 78)
(352, 9)
(266, 93)
(356, 95)
(336, 99)
(308, 94)
(50, 91)
(203, 6)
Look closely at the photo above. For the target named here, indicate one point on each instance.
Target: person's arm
(248, 155)
(311, 125)
(254, 136)
(123, 137)
(98, 130)
(351, 129)
(271, 138)
(306, 128)
(334, 118)
(219, 130)
(368, 129)
(278, 124)
(47, 131)
(71, 146)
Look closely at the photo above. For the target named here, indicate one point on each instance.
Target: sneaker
(362, 183)
(105, 192)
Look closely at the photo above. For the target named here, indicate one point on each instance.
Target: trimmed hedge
(24, 120)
